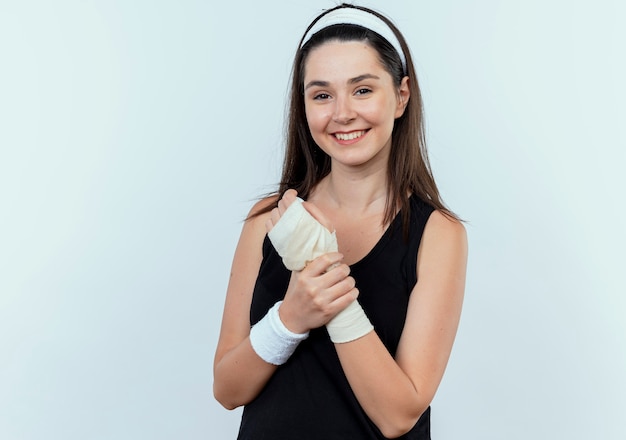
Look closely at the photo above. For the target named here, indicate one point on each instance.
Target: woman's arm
(314, 296)
(395, 393)
(239, 374)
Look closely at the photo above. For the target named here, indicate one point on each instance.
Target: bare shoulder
(255, 221)
(262, 204)
(248, 253)
(443, 227)
(444, 243)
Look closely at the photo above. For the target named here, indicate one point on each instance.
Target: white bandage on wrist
(299, 238)
(272, 341)
(349, 324)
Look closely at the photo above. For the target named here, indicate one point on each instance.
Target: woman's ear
(403, 96)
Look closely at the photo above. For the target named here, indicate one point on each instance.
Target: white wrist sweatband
(272, 341)
(299, 238)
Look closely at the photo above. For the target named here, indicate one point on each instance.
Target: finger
(286, 200)
(281, 208)
(344, 287)
(290, 195)
(342, 301)
(323, 263)
(337, 272)
(273, 219)
(283, 204)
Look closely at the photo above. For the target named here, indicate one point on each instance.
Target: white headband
(360, 18)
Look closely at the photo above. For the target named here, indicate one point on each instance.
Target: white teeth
(349, 136)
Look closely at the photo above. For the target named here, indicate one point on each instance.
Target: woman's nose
(344, 112)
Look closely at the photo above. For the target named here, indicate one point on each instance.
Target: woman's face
(351, 102)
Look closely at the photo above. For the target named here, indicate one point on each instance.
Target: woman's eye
(363, 91)
(321, 96)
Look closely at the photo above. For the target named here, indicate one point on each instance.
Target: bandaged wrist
(299, 238)
(349, 324)
(272, 341)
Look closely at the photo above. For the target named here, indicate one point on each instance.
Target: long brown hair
(409, 172)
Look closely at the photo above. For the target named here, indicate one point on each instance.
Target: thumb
(317, 215)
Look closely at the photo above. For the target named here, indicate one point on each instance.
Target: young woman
(306, 357)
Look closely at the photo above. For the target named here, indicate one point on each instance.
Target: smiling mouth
(350, 136)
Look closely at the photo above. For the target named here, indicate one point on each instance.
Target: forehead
(339, 59)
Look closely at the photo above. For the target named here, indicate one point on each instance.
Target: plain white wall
(135, 135)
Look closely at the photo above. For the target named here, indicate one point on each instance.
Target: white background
(135, 135)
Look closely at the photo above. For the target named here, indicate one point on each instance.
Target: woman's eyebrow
(317, 83)
(354, 80)
(360, 78)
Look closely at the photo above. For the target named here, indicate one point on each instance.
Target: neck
(358, 191)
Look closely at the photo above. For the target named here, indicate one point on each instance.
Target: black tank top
(309, 398)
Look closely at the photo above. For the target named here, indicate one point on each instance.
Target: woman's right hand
(317, 293)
